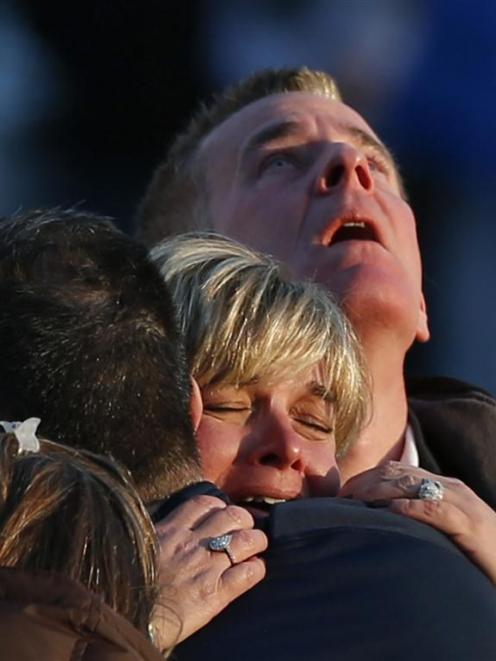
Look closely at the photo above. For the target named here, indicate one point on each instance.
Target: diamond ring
(222, 543)
(430, 490)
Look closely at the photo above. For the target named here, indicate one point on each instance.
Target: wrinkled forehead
(314, 114)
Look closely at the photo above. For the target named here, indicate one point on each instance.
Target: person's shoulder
(445, 389)
(454, 424)
(442, 403)
(54, 615)
(307, 519)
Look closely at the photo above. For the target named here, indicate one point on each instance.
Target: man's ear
(423, 333)
(196, 404)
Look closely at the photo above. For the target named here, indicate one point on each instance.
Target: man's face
(303, 177)
(269, 439)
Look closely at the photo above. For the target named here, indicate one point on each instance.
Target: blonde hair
(176, 198)
(77, 513)
(244, 318)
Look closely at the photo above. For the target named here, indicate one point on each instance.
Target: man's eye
(278, 162)
(378, 164)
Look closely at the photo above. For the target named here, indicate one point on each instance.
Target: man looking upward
(281, 163)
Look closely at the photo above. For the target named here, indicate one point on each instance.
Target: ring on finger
(222, 543)
(430, 490)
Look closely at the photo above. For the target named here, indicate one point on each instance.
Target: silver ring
(222, 543)
(430, 490)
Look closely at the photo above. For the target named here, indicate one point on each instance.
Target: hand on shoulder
(459, 512)
(196, 583)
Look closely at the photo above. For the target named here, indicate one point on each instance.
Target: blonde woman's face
(269, 440)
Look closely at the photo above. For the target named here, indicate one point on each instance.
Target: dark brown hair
(89, 343)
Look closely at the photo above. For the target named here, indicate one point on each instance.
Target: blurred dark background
(91, 93)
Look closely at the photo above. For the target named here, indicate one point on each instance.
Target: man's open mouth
(356, 230)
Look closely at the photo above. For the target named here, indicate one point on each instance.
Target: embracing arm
(460, 514)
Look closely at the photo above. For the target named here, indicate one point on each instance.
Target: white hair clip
(25, 432)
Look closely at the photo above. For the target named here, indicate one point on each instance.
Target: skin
(460, 514)
(283, 174)
(266, 438)
(196, 583)
(269, 438)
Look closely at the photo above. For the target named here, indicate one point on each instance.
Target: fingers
(471, 524)
(244, 545)
(191, 513)
(457, 511)
(393, 480)
(224, 520)
(441, 514)
(199, 581)
(241, 577)
(189, 529)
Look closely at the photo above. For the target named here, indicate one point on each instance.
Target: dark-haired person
(280, 163)
(89, 343)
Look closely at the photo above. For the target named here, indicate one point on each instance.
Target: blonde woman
(278, 365)
(284, 392)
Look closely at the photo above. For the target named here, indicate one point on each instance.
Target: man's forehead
(302, 108)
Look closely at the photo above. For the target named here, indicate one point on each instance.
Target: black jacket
(346, 582)
(454, 424)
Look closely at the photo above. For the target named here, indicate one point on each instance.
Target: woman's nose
(277, 444)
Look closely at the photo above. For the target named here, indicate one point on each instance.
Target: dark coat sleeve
(455, 429)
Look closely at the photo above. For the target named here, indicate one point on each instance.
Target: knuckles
(250, 572)
(241, 517)
(207, 503)
(251, 541)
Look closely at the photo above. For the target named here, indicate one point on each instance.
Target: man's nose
(278, 445)
(345, 167)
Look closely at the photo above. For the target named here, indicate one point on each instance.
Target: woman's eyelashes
(234, 412)
(310, 415)
(320, 425)
(226, 407)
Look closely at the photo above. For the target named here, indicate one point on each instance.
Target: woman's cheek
(218, 448)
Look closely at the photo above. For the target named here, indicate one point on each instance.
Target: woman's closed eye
(227, 407)
(236, 413)
(316, 423)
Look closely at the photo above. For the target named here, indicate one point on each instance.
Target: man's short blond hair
(244, 318)
(176, 199)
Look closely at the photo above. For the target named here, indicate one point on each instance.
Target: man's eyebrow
(365, 139)
(269, 134)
